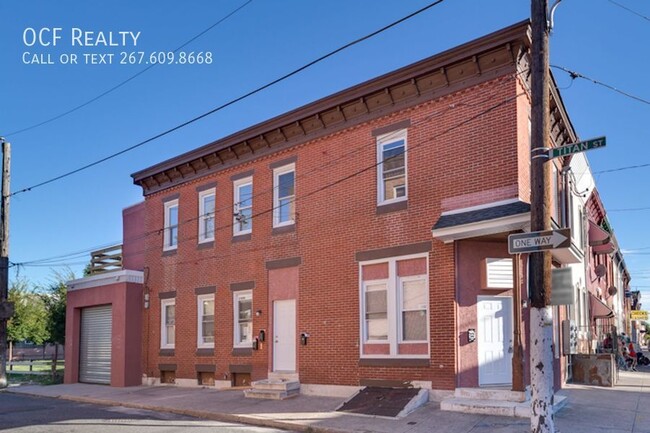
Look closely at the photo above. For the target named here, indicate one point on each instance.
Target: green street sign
(580, 146)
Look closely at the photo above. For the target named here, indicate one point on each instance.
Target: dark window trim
(167, 295)
(402, 250)
(392, 127)
(394, 362)
(171, 197)
(204, 352)
(392, 207)
(166, 352)
(284, 263)
(205, 290)
(240, 368)
(242, 175)
(242, 351)
(206, 187)
(244, 285)
(384, 383)
(283, 162)
(167, 367)
(241, 238)
(171, 252)
(283, 229)
(205, 245)
(205, 368)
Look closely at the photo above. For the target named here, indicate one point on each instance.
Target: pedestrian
(632, 354)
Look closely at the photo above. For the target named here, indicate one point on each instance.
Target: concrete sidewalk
(624, 408)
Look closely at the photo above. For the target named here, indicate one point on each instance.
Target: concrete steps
(273, 389)
(494, 402)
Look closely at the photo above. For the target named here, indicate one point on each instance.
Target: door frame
(511, 315)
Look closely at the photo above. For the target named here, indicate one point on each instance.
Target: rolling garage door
(95, 345)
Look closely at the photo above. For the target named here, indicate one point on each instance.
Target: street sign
(638, 315)
(580, 146)
(539, 241)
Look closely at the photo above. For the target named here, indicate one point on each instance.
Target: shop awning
(599, 308)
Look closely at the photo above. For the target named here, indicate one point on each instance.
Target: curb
(213, 416)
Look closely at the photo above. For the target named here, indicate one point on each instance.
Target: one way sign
(539, 241)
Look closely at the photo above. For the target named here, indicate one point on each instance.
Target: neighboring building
(360, 239)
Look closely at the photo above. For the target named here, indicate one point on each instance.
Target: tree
(29, 322)
(54, 299)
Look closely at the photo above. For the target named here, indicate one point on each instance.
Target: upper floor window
(243, 309)
(205, 319)
(243, 208)
(168, 323)
(170, 237)
(206, 215)
(391, 167)
(284, 195)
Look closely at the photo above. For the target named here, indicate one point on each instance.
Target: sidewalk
(625, 408)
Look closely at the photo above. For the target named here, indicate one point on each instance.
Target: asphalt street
(26, 414)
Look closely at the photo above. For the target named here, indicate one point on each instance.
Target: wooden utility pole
(6, 309)
(541, 317)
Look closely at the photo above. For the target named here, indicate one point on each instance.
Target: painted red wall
(133, 239)
(126, 350)
(332, 225)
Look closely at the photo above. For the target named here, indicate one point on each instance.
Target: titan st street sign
(581, 146)
(539, 241)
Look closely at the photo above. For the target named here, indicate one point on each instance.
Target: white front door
(284, 335)
(494, 337)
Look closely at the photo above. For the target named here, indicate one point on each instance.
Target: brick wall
(332, 224)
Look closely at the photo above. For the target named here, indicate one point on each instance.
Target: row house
(360, 240)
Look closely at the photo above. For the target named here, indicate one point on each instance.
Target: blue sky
(258, 44)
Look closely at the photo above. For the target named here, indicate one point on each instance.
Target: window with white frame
(243, 208)
(205, 319)
(206, 215)
(170, 236)
(395, 307)
(168, 323)
(391, 167)
(243, 323)
(284, 195)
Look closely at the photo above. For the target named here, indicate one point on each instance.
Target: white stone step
(276, 384)
(495, 407)
(271, 394)
(491, 394)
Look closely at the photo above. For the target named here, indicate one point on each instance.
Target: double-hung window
(167, 323)
(243, 208)
(395, 307)
(243, 318)
(284, 195)
(206, 215)
(170, 236)
(205, 319)
(391, 167)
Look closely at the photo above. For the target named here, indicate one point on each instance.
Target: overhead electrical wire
(117, 86)
(227, 104)
(629, 10)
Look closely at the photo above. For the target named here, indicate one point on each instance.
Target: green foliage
(30, 319)
(54, 300)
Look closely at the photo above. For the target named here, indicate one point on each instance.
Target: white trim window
(167, 323)
(284, 195)
(170, 237)
(243, 318)
(206, 215)
(205, 321)
(391, 167)
(243, 206)
(394, 307)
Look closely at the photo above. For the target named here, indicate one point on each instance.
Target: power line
(372, 166)
(117, 86)
(629, 167)
(575, 75)
(629, 10)
(229, 103)
(632, 209)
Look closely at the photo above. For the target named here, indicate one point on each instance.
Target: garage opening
(95, 345)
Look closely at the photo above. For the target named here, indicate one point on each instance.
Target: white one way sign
(539, 241)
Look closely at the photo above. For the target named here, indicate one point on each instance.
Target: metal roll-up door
(95, 345)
